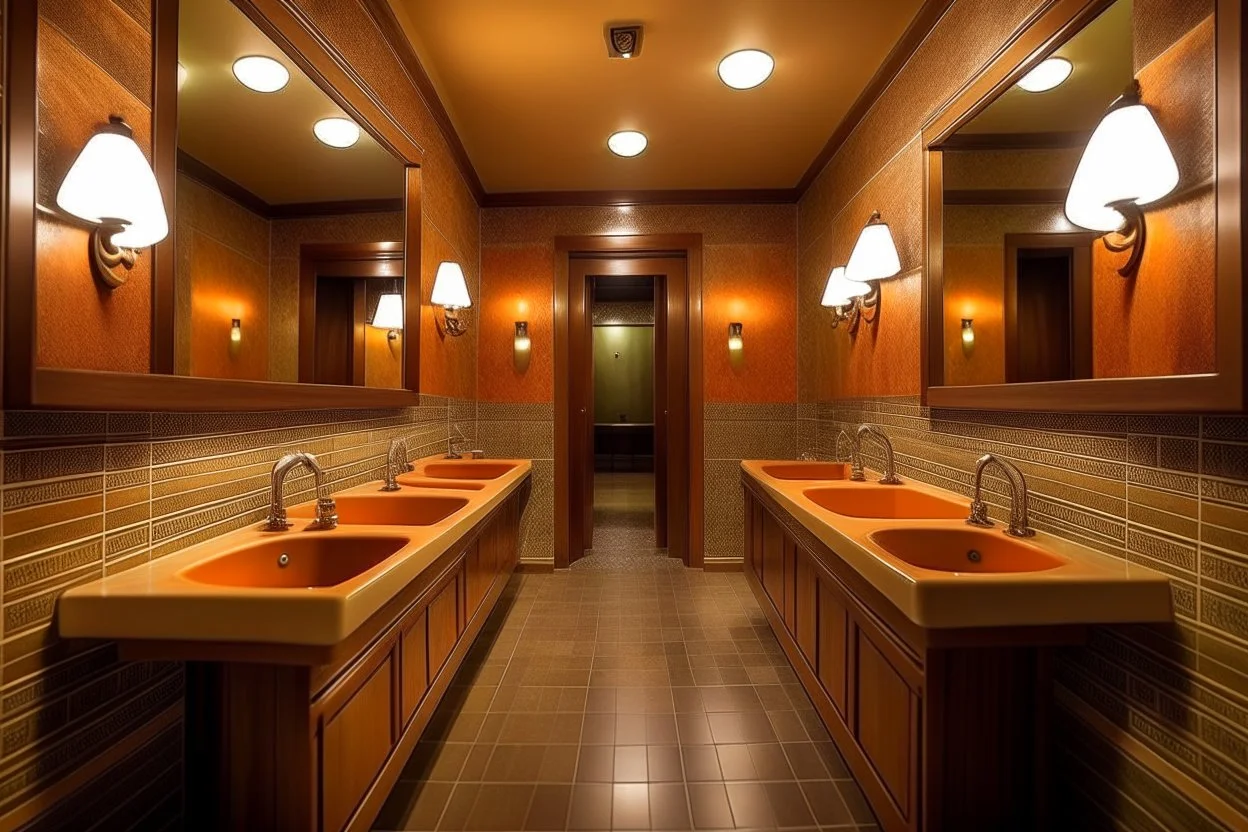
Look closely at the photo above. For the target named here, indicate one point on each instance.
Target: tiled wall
(1151, 722)
(748, 275)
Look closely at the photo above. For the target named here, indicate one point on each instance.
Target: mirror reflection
(1033, 289)
(289, 218)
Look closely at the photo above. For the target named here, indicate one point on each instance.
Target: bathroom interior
(541, 415)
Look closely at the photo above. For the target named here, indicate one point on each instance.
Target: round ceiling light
(261, 73)
(627, 143)
(337, 132)
(746, 69)
(1046, 75)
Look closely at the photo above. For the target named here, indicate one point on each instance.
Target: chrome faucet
(326, 509)
(1018, 497)
(452, 448)
(855, 454)
(396, 463)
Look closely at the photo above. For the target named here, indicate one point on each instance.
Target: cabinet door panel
(833, 645)
(414, 665)
(885, 724)
(773, 560)
(806, 589)
(443, 627)
(790, 583)
(354, 744)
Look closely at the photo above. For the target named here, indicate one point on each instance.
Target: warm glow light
(874, 256)
(449, 288)
(261, 73)
(746, 69)
(627, 143)
(840, 289)
(968, 332)
(236, 330)
(522, 336)
(111, 180)
(389, 314)
(181, 76)
(1127, 159)
(1046, 75)
(735, 341)
(337, 132)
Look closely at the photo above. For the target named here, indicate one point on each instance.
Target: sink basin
(389, 509)
(965, 550)
(316, 559)
(418, 481)
(467, 470)
(807, 470)
(887, 501)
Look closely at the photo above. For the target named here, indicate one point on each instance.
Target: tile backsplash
(91, 494)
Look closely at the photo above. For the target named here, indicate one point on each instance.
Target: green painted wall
(623, 374)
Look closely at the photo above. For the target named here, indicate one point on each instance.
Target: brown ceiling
(533, 96)
(264, 142)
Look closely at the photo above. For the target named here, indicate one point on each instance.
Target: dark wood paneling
(443, 626)
(354, 745)
(806, 602)
(833, 645)
(885, 726)
(414, 666)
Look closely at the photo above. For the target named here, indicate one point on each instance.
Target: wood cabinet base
(943, 729)
(318, 747)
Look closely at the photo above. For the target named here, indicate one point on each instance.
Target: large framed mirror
(1084, 217)
(290, 276)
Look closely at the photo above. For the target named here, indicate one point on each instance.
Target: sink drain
(283, 559)
(974, 556)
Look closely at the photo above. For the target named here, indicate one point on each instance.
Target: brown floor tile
(701, 764)
(669, 807)
(596, 764)
(735, 762)
(630, 764)
(415, 806)
(826, 803)
(708, 803)
(549, 810)
(630, 806)
(590, 807)
(750, 806)
(770, 762)
(663, 763)
(501, 807)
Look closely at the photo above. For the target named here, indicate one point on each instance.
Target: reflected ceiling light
(627, 143)
(450, 291)
(746, 69)
(337, 132)
(1126, 165)
(261, 73)
(181, 75)
(840, 289)
(1046, 75)
(389, 314)
(112, 186)
(873, 259)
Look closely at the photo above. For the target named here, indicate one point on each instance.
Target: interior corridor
(643, 696)
(623, 512)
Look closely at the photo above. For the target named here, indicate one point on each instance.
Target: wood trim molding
(711, 196)
(1006, 196)
(392, 31)
(1017, 141)
(920, 27)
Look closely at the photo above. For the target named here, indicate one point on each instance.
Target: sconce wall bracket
(107, 259)
(856, 312)
(1130, 237)
(451, 324)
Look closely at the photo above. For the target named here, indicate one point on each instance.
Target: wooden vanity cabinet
(942, 728)
(291, 738)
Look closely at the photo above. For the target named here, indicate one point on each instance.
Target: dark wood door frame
(684, 314)
(1080, 244)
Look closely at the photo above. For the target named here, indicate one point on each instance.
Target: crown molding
(710, 196)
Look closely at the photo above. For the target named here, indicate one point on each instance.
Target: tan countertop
(157, 601)
(1087, 588)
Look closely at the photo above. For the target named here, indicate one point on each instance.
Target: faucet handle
(326, 513)
(277, 521)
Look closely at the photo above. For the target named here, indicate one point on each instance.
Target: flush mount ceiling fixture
(746, 68)
(627, 143)
(1047, 75)
(261, 73)
(337, 132)
(623, 40)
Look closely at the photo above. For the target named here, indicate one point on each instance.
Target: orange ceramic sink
(807, 470)
(311, 560)
(887, 502)
(965, 550)
(389, 509)
(466, 470)
(416, 481)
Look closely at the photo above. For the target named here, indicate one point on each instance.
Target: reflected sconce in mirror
(236, 331)
(522, 343)
(968, 334)
(111, 186)
(736, 342)
(389, 314)
(1126, 165)
(855, 287)
(450, 291)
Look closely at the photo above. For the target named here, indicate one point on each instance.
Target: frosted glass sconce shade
(874, 256)
(450, 291)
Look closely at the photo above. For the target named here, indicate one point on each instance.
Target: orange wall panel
(226, 285)
(517, 284)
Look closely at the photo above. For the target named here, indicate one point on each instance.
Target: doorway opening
(627, 398)
(1048, 307)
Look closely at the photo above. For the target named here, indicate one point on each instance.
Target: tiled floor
(623, 512)
(635, 698)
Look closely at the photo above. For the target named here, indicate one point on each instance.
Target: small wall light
(735, 342)
(112, 186)
(968, 334)
(857, 288)
(389, 314)
(236, 330)
(1126, 165)
(522, 336)
(450, 291)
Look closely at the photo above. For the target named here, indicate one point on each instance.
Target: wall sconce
(855, 287)
(450, 291)
(735, 342)
(112, 186)
(236, 331)
(1126, 165)
(522, 336)
(389, 314)
(968, 334)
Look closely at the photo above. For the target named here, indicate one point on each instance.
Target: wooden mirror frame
(27, 385)
(1224, 389)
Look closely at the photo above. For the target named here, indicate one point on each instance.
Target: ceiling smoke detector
(623, 41)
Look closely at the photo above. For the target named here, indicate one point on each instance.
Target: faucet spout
(890, 466)
(1019, 524)
(326, 509)
(396, 463)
